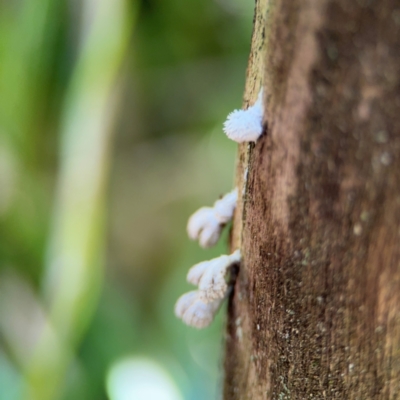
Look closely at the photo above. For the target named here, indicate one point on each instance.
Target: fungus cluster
(198, 307)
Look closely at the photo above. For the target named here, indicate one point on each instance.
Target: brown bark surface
(315, 312)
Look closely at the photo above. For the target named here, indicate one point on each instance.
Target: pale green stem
(74, 264)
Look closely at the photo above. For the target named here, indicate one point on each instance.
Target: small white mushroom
(225, 207)
(245, 125)
(206, 224)
(211, 276)
(194, 311)
(184, 302)
(196, 272)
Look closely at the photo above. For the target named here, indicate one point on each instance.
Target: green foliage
(110, 137)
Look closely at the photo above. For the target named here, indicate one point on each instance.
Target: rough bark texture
(315, 312)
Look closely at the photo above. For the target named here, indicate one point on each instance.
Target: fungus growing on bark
(206, 224)
(199, 307)
(245, 125)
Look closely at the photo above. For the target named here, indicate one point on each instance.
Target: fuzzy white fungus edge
(199, 307)
(245, 125)
(193, 311)
(211, 276)
(206, 224)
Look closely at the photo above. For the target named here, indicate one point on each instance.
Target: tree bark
(315, 311)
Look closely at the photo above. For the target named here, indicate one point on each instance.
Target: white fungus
(198, 308)
(245, 125)
(204, 227)
(225, 207)
(211, 276)
(206, 224)
(194, 311)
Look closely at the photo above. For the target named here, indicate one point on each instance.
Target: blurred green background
(110, 137)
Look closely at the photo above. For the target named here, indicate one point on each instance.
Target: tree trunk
(315, 311)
